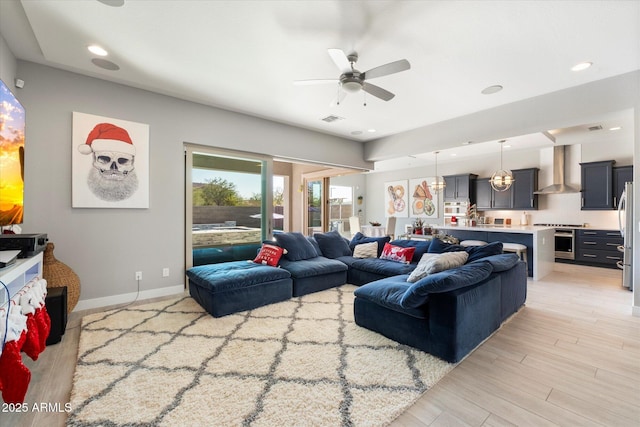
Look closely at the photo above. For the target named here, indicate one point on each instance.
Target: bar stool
(519, 249)
(466, 243)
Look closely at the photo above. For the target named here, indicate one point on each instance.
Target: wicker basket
(58, 274)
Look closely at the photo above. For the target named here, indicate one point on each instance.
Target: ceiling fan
(352, 80)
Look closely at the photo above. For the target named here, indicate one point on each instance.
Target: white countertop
(525, 229)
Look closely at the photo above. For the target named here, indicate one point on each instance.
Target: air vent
(592, 128)
(332, 118)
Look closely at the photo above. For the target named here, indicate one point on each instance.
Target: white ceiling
(244, 55)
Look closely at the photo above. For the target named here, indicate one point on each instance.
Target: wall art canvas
(396, 199)
(110, 163)
(423, 202)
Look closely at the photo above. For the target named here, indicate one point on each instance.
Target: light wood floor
(571, 357)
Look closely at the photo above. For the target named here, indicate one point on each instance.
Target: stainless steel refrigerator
(625, 218)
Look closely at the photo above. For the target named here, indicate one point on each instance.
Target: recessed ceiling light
(616, 128)
(113, 3)
(107, 65)
(97, 50)
(491, 89)
(506, 146)
(581, 66)
(453, 154)
(371, 130)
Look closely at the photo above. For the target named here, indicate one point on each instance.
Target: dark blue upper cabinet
(621, 175)
(597, 185)
(524, 184)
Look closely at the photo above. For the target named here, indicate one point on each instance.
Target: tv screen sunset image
(12, 129)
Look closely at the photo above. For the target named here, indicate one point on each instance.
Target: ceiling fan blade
(338, 100)
(377, 91)
(314, 82)
(386, 69)
(340, 59)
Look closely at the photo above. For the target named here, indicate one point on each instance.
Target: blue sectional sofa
(446, 313)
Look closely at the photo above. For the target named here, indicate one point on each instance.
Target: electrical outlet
(165, 272)
(138, 275)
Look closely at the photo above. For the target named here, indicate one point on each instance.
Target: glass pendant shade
(501, 179)
(438, 183)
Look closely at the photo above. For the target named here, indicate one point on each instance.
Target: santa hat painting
(108, 137)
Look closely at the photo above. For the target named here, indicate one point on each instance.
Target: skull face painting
(113, 176)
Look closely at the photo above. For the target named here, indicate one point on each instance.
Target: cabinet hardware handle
(612, 244)
(589, 243)
(590, 233)
(590, 255)
(531, 202)
(615, 203)
(613, 234)
(582, 203)
(614, 257)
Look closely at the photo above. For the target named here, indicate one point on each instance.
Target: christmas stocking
(14, 376)
(44, 326)
(32, 343)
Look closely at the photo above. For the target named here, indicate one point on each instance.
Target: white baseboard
(636, 311)
(126, 298)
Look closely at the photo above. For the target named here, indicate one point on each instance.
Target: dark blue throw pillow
(478, 252)
(297, 246)
(332, 244)
(437, 246)
(361, 238)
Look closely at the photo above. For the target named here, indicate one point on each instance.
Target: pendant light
(501, 179)
(438, 184)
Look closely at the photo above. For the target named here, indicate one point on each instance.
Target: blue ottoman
(231, 287)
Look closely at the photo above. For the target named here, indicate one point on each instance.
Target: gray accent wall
(106, 247)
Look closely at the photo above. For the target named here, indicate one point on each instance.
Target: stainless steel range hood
(558, 186)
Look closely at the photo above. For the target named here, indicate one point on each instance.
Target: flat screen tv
(12, 130)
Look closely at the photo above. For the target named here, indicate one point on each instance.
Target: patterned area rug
(300, 362)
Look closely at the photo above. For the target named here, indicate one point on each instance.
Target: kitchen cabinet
(597, 185)
(621, 175)
(524, 184)
(459, 188)
(487, 198)
(598, 248)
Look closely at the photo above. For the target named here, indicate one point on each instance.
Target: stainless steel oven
(565, 243)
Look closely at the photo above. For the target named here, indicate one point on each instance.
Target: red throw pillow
(269, 255)
(397, 253)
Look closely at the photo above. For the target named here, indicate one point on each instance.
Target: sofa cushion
(434, 263)
(332, 244)
(315, 245)
(397, 253)
(388, 293)
(422, 246)
(501, 262)
(233, 275)
(382, 267)
(448, 280)
(317, 266)
(361, 238)
(297, 246)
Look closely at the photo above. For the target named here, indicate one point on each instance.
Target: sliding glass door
(229, 205)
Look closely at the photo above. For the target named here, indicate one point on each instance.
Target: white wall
(106, 246)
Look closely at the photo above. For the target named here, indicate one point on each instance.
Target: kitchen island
(539, 240)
